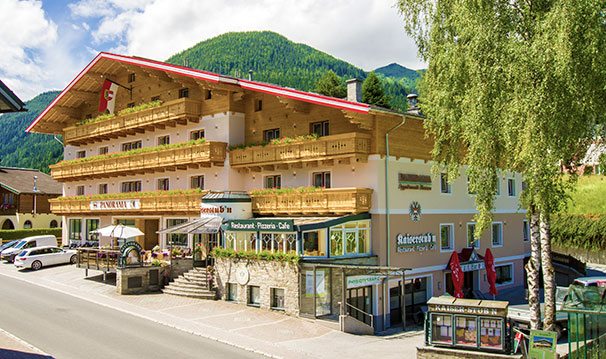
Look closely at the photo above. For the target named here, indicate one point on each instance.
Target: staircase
(192, 284)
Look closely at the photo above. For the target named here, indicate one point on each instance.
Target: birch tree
(516, 85)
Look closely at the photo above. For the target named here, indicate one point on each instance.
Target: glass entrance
(203, 245)
(360, 303)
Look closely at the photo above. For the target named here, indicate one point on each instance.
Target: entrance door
(395, 305)
(203, 245)
(361, 301)
(151, 236)
(469, 280)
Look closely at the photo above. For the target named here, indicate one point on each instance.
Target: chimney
(413, 101)
(250, 75)
(354, 90)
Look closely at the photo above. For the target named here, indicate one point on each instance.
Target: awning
(196, 226)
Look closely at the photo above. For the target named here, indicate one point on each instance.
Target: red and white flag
(107, 101)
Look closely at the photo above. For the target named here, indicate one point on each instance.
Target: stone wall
(180, 266)
(265, 275)
(137, 280)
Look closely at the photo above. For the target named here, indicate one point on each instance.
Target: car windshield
(20, 244)
(7, 245)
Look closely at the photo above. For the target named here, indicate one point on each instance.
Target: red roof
(215, 78)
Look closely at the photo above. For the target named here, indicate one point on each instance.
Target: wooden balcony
(333, 201)
(171, 158)
(140, 203)
(345, 147)
(169, 113)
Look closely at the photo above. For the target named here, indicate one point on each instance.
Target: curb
(24, 343)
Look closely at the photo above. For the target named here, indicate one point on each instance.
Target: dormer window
(131, 77)
(183, 93)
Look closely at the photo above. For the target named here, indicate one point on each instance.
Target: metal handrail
(370, 316)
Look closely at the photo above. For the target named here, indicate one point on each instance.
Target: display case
(468, 324)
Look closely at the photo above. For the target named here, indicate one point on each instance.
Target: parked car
(29, 242)
(8, 245)
(520, 313)
(38, 257)
(591, 281)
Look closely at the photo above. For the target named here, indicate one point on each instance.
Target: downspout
(387, 212)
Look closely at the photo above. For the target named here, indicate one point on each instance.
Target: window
(164, 140)
(80, 191)
(314, 243)
(183, 93)
(130, 105)
(103, 150)
(351, 238)
(27, 224)
(176, 239)
(469, 190)
(466, 331)
(132, 186)
(272, 134)
(232, 292)
(208, 95)
(525, 230)
(80, 154)
(497, 234)
(163, 184)
(91, 225)
(498, 186)
(155, 98)
(504, 274)
(511, 187)
(277, 242)
(258, 105)
(444, 185)
(491, 335)
(321, 179)
(471, 240)
(196, 135)
(446, 237)
(53, 224)
(254, 295)
(131, 145)
(274, 181)
(75, 229)
(132, 77)
(441, 325)
(197, 182)
(319, 128)
(277, 298)
(103, 188)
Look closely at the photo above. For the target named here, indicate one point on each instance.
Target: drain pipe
(387, 212)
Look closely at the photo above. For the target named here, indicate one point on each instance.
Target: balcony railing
(201, 154)
(157, 202)
(343, 146)
(320, 202)
(169, 112)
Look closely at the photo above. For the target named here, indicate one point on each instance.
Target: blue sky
(45, 44)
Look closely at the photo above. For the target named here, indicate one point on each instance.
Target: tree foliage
(373, 92)
(517, 85)
(331, 85)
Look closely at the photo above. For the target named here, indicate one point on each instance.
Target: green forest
(272, 58)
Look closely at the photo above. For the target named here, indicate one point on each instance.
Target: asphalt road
(67, 327)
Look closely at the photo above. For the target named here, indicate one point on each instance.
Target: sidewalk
(12, 347)
(261, 331)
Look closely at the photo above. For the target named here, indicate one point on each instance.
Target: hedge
(9, 235)
(579, 231)
(219, 252)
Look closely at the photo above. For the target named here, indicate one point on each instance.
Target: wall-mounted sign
(415, 242)
(320, 289)
(412, 181)
(471, 266)
(357, 281)
(130, 255)
(467, 310)
(115, 205)
(226, 210)
(415, 211)
(263, 225)
(242, 276)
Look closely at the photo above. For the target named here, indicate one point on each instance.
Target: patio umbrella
(119, 231)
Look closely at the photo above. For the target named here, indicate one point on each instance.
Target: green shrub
(292, 258)
(12, 234)
(126, 111)
(579, 231)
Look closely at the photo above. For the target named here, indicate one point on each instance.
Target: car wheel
(11, 259)
(36, 265)
(73, 259)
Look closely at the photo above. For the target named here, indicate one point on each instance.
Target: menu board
(441, 329)
(466, 331)
(491, 333)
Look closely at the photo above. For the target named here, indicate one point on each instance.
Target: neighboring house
(9, 102)
(24, 199)
(592, 158)
(185, 144)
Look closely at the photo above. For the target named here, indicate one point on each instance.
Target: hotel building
(288, 171)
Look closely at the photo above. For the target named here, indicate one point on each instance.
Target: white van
(9, 254)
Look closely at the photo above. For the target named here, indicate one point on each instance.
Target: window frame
(128, 146)
(163, 140)
(80, 190)
(501, 233)
(103, 150)
(323, 174)
(183, 92)
(191, 178)
(451, 239)
(103, 185)
(467, 236)
(258, 105)
(165, 182)
(272, 293)
(132, 77)
(130, 184)
(273, 132)
(194, 135)
(81, 154)
(444, 179)
(511, 187)
(324, 127)
(512, 272)
(525, 230)
(274, 177)
(249, 302)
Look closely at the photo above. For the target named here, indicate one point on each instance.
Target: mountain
(18, 149)
(275, 59)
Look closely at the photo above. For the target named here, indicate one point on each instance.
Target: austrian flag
(107, 101)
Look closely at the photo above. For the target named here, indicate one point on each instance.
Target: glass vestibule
(351, 238)
(262, 241)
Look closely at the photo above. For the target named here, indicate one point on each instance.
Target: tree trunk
(532, 271)
(548, 274)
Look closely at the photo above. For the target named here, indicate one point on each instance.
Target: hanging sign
(118, 204)
(255, 225)
(415, 242)
(358, 281)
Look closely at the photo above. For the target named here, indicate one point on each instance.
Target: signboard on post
(542, 344)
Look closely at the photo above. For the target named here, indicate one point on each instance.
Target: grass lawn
(589, 197)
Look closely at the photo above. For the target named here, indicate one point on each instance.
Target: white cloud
(366, 33)
(25, 35)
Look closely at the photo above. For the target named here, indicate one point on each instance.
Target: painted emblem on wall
(242, 276)
(415, 211)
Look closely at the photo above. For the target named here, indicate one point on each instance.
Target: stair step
(179, 293)
(188, 285)
(190, 290)
(196, 275)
